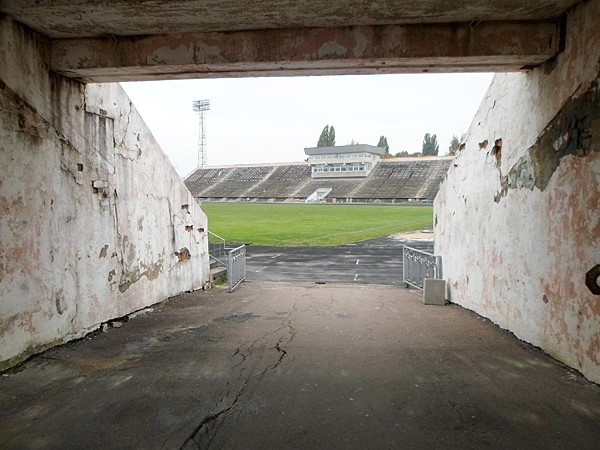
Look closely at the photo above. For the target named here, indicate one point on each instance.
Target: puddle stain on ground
(237, 318)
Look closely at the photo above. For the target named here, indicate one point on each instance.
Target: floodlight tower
(201, 106)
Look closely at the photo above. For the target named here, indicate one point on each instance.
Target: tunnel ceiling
(124, 40)
(90, 18)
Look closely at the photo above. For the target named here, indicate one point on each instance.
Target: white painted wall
(522, 260)
(93, 221)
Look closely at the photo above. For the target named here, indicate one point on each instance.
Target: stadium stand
(392, 181)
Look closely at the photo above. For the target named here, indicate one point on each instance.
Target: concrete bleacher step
(217, 271)
(217, 274)
(389, 180)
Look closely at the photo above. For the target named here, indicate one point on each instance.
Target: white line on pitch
(262, 268)
(278, 254)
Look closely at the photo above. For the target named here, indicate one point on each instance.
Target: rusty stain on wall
(497, 151)
(183, 254)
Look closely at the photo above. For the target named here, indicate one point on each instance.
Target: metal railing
(418, 265)
(236, 266)
(218, 249)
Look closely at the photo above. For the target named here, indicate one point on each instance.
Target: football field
(294, 225)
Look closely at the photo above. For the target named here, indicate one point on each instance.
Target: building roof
(359, 148)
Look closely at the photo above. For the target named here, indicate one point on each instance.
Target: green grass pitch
(312, 225)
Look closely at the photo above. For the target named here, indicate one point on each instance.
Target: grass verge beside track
(312, 225)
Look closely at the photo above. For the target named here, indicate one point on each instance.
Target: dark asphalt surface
(376, 261)
(298, 366)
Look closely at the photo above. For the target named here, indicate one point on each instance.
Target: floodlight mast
(201, 106)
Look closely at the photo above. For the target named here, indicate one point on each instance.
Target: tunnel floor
(278, 365)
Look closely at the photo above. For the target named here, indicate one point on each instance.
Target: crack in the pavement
(460, 425)
(203, 435)
(330, 304)
(205, 424)
(279, 349)
(238, 352)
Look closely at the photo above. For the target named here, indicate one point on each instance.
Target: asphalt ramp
(298, 366)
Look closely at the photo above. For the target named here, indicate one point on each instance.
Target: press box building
(343, 161)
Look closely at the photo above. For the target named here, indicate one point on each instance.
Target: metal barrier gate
(418, 265)
(236, 266)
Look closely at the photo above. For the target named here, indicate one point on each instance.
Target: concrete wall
(95, 223)
(518, 226)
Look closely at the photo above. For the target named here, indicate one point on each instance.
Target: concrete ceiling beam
(488, 46)
(93, 18)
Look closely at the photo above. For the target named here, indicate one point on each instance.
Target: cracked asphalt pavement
(298, 366)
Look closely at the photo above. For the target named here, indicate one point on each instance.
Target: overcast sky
(264, 120)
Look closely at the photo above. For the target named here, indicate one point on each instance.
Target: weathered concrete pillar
(95, 221)
(518, 222)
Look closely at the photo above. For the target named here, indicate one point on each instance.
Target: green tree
(430, 145)
(401, 154)
(327, 138)
(454, 146)
(383, 143)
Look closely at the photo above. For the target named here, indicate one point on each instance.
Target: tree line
(430, 146)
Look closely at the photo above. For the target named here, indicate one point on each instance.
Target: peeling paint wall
(94, 219)
(518, 224)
